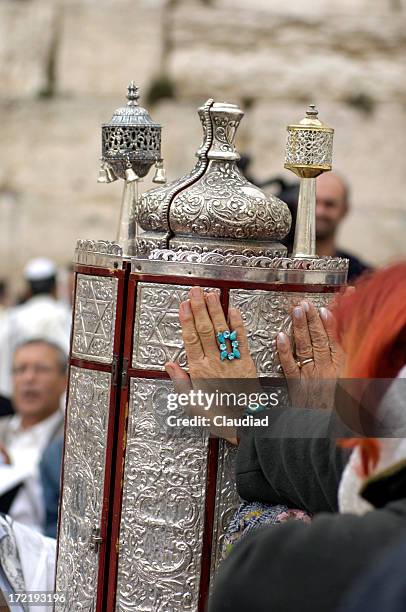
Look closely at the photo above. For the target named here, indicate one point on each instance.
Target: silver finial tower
(309, 152)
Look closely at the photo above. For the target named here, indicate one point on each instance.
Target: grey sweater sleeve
(296, 461)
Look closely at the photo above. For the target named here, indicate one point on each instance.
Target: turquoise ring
(231, 336)
(253, 409)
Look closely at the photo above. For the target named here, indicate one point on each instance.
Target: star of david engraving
(158, 336)
(91, 313)
(94, 317)
(157, 332)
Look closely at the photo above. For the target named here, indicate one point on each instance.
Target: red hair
(371, 328)
(371, 324)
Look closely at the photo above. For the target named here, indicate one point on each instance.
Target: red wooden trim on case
(139, 373)
(212, 466)
(225, 299)
(112, 442)
(90, 365)
(96, 271)
(121, 441)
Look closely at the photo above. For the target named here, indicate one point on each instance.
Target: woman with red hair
(298, 566)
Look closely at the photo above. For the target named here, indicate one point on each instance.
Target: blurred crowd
(34, 345)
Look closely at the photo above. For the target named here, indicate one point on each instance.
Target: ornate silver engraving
(266, 313)
(227, 501)
(309, 153)
(103, 247)
(215, 202)
(157, 333)
(207, 137)
(309, 147)
(240, 274)
(154, 205)
(223, 204)
(259, 248)
(83, 482)
(115, 138)
(95, 315)
(148, 242)
(131, 138)
(163, 506)
(246, 259)
(225, 120)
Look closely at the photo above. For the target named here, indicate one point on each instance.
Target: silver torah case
(144, 509)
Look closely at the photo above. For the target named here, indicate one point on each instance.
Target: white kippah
(39, 268)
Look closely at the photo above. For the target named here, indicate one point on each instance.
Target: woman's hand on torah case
(201, 319)
(313, 365)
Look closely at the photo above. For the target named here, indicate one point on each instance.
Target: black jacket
(294, 566)
(383, 588)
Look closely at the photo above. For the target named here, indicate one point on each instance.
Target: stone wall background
(65, 65)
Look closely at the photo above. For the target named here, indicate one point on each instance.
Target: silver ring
(300, 364)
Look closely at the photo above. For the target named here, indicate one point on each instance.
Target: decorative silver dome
(214, 208)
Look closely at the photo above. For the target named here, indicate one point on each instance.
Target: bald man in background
(332, 205)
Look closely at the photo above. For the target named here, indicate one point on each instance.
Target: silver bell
(160, 174)
(103, 176)
(130, 175)
(111, 177)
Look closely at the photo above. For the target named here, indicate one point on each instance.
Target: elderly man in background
(39, 381)
(40, 316)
